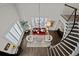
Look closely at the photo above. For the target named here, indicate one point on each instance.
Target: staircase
(69, 45)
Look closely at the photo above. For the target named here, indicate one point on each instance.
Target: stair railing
(74, 12)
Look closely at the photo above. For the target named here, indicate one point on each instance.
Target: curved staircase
(69, 45)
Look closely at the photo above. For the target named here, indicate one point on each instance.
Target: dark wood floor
(56, 37)
(35, 51)
(39, 51)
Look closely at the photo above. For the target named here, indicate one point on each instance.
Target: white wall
(8, 16)
(27, 10)
(46, 10)
(68, 10)
(51, 11)
(76, 5)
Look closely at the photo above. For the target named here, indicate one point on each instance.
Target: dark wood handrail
(70, 6)
(73, 23)
(75, 10)
(70, 16)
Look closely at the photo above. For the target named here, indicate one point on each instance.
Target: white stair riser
(75, 33)
(70, 43)
(71, 40)
(67, 46)
(74, 37)
(64, 49)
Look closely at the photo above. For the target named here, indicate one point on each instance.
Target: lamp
(48, 24)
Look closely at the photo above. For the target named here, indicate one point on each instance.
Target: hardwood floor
(35, 51)
(38, 51)
(56, 37)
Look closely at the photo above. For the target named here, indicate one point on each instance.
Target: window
(11, 38)
(42, 21)
(36, 22)
(15, 33)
